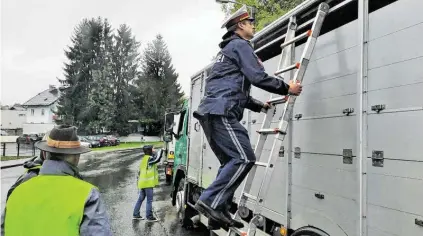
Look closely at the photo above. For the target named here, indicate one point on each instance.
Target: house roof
(45, 98)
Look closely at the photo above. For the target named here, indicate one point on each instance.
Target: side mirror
(167, 138)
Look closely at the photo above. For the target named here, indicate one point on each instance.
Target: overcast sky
(34, 34)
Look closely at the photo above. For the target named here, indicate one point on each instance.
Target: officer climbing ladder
(286, 63)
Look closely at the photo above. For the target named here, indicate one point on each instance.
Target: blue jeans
(149, 208)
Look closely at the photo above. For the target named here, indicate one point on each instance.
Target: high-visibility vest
(149, 175)
(47, 205)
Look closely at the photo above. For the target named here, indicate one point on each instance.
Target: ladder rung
(291, 67)
(261, 164)
(250, 196)
(298, 38)
(238, 231)
(278, 100)
(270, 131)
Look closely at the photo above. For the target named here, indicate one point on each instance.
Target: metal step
(264, 164)
(278, 100)
(270, 131)
(252, 197)
(291, 67)
(298, 38)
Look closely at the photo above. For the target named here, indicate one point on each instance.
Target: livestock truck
(352, 162)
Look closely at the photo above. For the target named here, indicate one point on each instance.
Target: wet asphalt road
(115, 175)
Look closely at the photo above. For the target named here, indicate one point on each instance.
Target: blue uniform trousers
(230, 142)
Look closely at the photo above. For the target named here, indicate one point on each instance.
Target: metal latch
(348, 111)
(378, 108)
(281, 151)
(298, 116)
(377, 158)
(297, 152)
(347, 156)
(254, 121)
(418, 222)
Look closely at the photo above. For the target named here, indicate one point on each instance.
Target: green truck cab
(181, 147)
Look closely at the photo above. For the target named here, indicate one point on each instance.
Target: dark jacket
(227, 90)
(32, 169)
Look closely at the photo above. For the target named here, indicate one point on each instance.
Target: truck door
(195, 132)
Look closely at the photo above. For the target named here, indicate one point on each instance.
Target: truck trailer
(352, 162)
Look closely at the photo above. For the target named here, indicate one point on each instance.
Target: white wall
(35, 115)
(12, 119)
(37, 128)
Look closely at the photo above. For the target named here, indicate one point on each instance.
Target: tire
(309, 231)
(168, 179)
(184, 214)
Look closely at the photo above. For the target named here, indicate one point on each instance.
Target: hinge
(378, 108)
(297, 152)
(254, 121)
(281, 151)
(202, 81)
(319, 196)
(347, 156)
(204, 146)
(298, 116)
(418, 222)
(348, 111)
(377, 158)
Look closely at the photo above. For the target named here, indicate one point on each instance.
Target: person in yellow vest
(57, 201)
(148, 178)
(32, 167)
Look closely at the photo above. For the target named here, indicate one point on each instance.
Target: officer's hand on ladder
(295, 88)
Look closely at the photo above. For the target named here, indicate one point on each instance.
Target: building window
(32, 112)
(42, 112)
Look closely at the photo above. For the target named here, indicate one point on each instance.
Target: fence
(17, 149)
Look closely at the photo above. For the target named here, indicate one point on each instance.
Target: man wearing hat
(227, 94)
(148, 178)
(57, 201)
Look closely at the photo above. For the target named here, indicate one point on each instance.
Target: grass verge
(9, 158)
(128, 145)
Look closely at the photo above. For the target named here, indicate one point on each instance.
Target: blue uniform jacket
(227, 90)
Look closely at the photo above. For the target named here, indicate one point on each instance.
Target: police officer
(148, 178)
(226, 96)
(57, 201)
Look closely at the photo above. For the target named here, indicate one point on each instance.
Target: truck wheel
(184, 214)
(168, 179)
(309, 231)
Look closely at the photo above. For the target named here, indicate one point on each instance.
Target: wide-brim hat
(62, 139)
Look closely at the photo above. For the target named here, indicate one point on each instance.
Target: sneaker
(137, 217)
(152, 219)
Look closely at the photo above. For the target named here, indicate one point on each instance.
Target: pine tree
(125, 69)
(158, 82)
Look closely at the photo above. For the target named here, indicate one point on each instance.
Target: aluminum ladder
(286, 63)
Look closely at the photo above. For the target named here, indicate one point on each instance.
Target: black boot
(213, 214)
(234, 223)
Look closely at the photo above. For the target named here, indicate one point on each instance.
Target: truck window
(181, 122)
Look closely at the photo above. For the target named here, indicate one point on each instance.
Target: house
(39, 111)
(12, 120)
